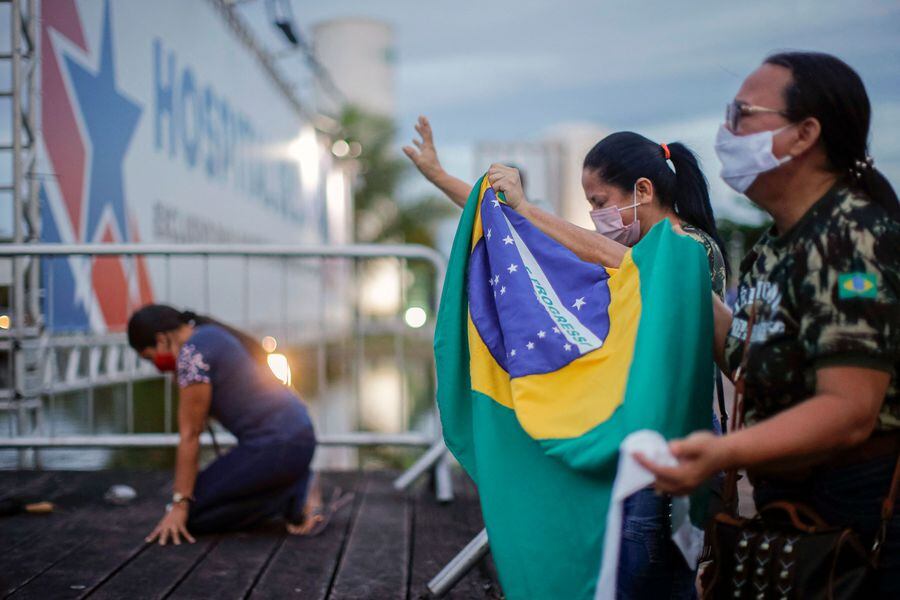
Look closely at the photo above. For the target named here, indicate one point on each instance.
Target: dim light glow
(380, 399)
(380, 290)
(280, 367)
(340, 148)
(269, 343)
(336, 202)
(4, 321)
(415, 316)
(355, 149)
(305, 150)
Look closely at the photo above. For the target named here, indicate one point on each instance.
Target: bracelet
(178, 498)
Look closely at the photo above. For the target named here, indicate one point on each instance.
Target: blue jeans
(650, 564)
(848, 496)
(250, 484)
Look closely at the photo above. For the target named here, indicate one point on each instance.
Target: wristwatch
(178, 498)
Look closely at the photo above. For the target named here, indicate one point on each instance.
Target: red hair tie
(665, 148)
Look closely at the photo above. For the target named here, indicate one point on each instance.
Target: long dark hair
(825, 87)
(620, 159)
(152, 319)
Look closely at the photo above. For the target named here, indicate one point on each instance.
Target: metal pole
(284, 299)
(443, 478)
(359, 344)
(51, 352)
(421, 466)
(127, 357)
(167, 383)
(206, 284)
(168, 278)
(168, 440)
(246, 294)
(129, 398)
(17, 297)
(90, 353)
(399, 347)
(459, 565)
(321, 350)
(39, 427)
(31, 179)
(348, 251)
(167, 402)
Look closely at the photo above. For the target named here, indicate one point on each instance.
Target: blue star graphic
(110, 119)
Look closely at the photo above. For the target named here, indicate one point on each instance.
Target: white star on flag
(489, 233)
(496, 203)
(579, 303)
(512, 352)
(503, 289)
(507, 240)
(530, 345)
(496, 279)
(491, 281)
(512, 268)
(568, 347)
(542, 334)
(556, 330)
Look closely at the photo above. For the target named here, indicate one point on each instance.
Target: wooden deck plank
(108, 536)
(305, 567)
(386, 545)
(156, 571)
(231, 568)
(375, 563)
(21, 566)
(440, 532)
(16, 483)
(70, 491)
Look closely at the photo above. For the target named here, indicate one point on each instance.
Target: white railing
(45, 364)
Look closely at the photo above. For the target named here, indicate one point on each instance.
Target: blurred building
(358, 53)
(551, 166)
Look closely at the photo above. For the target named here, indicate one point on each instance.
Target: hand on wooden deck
(172, 527)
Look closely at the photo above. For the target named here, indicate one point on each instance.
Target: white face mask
(744, 157)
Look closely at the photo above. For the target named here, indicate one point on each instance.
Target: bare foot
(312, 510)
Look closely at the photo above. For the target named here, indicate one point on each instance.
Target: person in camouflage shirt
(820, 362)
(827, 292)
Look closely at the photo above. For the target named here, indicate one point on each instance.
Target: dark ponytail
(152, 319)
(825, 87)
(620, 159)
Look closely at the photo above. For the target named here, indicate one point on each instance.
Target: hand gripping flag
(545, 364)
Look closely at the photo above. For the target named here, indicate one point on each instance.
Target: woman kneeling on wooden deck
(222, 373)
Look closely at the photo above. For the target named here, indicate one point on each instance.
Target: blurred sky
(509, 70)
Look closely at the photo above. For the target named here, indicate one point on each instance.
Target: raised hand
(424, 155)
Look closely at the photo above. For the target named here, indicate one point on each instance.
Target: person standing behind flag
(622, 171)
(631, 184)
(819, 295)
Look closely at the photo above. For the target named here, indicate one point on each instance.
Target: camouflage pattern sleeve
(851, 296)
(717, 273)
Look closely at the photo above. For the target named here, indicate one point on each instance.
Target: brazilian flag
(545, 364)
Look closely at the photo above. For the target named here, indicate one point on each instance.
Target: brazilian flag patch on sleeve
(857, 285)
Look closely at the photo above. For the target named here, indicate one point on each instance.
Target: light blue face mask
(744, 157)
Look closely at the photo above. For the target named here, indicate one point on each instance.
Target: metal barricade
(44, 365)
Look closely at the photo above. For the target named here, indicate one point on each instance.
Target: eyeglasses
(735, 110)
